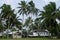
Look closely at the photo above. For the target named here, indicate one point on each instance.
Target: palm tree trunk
(3, 33)
(7, 31)
(8, 27)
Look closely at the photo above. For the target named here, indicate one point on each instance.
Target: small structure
(39, 33)
(33, 34)
(15, 34)
(44, 33)
(1, 33)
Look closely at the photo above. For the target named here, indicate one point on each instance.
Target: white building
(40, 33)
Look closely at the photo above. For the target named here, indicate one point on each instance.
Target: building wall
(16, 36)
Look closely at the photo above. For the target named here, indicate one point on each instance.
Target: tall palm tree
(27, 24)
(49, 16)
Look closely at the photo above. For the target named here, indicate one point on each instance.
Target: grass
(31, 39)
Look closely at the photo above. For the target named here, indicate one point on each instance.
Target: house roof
(10, 32)
(14, 32)
(44, 30)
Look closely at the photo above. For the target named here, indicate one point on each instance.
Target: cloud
(47, 1)
(39, 3)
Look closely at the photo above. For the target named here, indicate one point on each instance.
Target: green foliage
(27, 8)
(9, 17)
(1, 27)
(49, 16)
(28, 21)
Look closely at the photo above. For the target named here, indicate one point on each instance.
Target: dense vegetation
(45, 19)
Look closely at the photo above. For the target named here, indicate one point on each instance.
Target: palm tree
(27, 24)
(7, 14)
(37, 23)
(32, 9)
(28, 21)
(23, 8)
(49, 16)
(1, 24)
(28, 8)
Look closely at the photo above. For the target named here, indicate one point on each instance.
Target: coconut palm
(49, 16)
(1, 25)
(27, 24)
(28, 21)
(7, 14)
(32, 9)
(37, 23)
(23, 8)
(28, 8)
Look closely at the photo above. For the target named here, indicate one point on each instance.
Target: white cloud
(47, 1)
(39, 3)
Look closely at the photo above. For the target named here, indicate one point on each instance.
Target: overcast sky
(39, 3)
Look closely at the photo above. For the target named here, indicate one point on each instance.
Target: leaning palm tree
(49, 16)
(32, 9)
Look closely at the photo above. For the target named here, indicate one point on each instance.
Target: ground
(31, 39)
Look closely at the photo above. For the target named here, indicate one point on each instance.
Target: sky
(38, 3)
